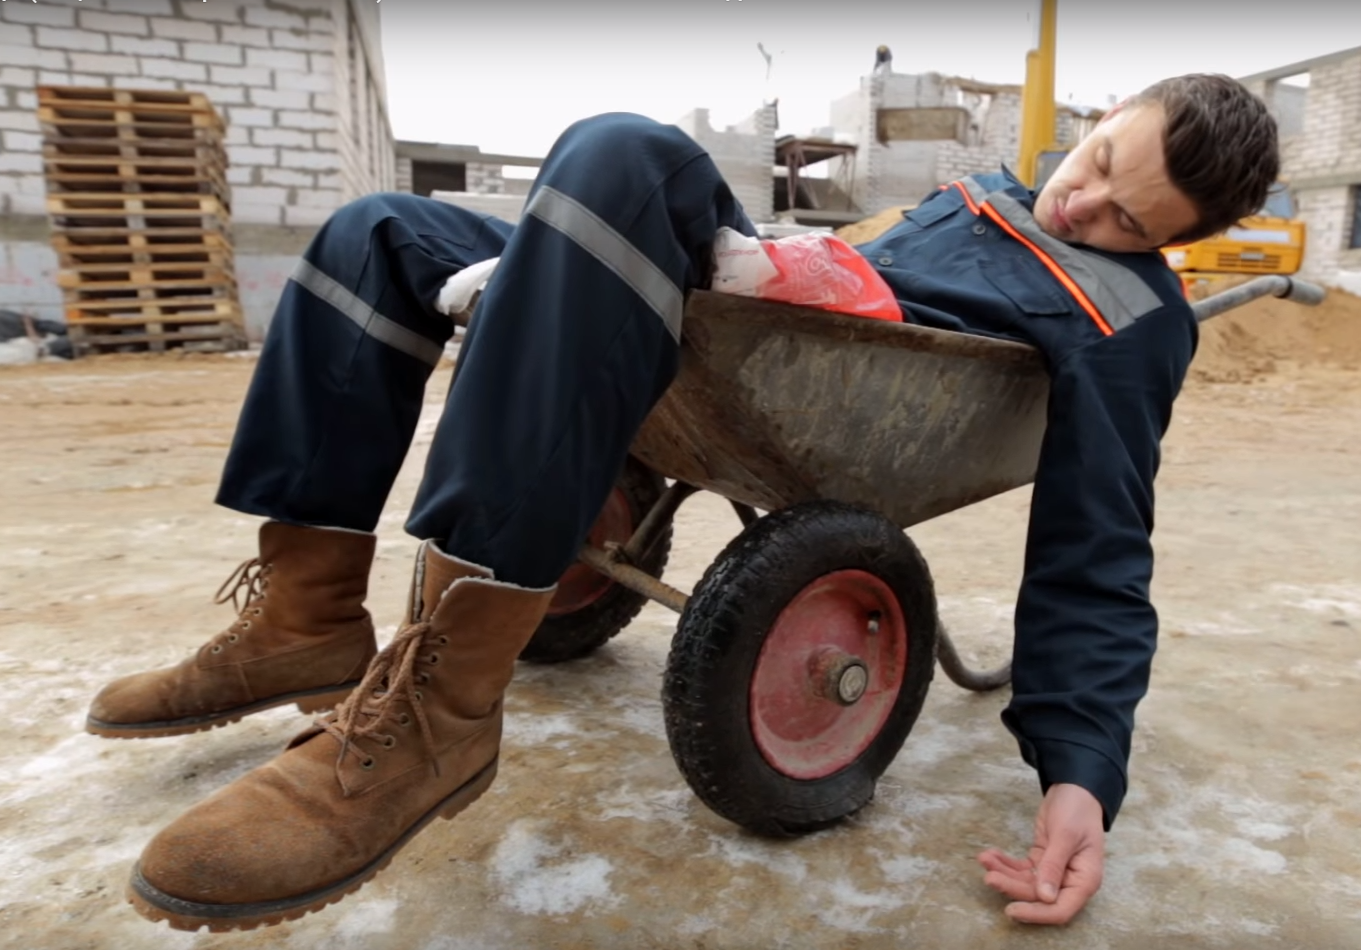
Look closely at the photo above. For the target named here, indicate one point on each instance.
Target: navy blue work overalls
(576, 338)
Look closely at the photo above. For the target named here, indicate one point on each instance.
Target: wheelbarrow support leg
(961, 675)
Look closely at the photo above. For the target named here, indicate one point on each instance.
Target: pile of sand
(1268, 334)
(870, 228)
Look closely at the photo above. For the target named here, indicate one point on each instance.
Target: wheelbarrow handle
(1290, 288)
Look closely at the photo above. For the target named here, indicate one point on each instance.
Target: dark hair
(1220, 145)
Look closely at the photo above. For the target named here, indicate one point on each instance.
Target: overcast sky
(508, 75)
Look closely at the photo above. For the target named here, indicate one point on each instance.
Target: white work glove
(457, 292)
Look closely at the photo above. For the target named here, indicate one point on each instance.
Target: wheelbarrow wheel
(799, 667)
(589, 608)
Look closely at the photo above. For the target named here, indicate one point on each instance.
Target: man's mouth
(1061, 219)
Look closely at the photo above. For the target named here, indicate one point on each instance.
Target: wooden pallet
(167, 100)
(130, 178)
(135, 310)
(107, 274)
(63, 108)
(210, 333)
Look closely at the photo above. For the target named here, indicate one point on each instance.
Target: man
(575, 339)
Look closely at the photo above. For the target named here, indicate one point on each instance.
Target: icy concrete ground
(1242, 829)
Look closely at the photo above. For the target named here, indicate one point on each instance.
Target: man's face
(1112, 191)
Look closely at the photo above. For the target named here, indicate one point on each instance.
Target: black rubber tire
(706, 687)
(572, 636)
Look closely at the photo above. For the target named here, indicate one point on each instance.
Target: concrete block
(25, 99)
(306, 217)
(173, 69)
(255, 195)
(49, 78)
(297, 158)
(223, 54)
(237, 135)
(167, 84)
(144, 7)
(222, 95)
(301, 40)
(15, 162)
(321, 23)
(323, 102)
(43, 14)
(247, 155)
(246, 36)
(137, 46)
(240, 76)
(328, 141)
(287, 79)
(114, 23)
(55, 38)
(288, 138)
(12, 55)
(263, 16)
(324, 63)
(256, 214)
(320, 199)
(219, 11)
(251, 117)
(18, 76)
(289, 178)
(27, 204)
(16, 34)
(103, 63)
(244, 175)
(306, 120)
(99, 79)
(334, 180)
(19, 120)
(276, 59)
(280, 98)
(184, 30)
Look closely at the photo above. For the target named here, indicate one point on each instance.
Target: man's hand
(1063, 869)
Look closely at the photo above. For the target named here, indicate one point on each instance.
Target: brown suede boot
(417, 740)
(302, 637)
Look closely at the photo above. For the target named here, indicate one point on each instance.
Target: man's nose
(1086, 205)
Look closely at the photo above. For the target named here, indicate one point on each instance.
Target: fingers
(1065, 908)
(1017, 885)
(995, 860)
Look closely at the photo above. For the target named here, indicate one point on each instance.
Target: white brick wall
(1323, 165)
(271, 68)
(744, 154)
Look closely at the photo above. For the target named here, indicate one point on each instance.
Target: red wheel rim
(582, 586)
(842, 620)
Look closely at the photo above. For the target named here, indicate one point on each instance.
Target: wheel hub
(828, 674)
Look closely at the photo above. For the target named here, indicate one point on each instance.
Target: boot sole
(156, 905)
(308, 701)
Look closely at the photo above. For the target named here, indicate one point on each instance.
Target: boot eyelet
(433, 659)
(217, 648)
(245, 625)
(232, 638)
(368, 764)
(389, 742)
(420, 697)
(443, 641)
(257, 611)
(403, 720)
(422, 678)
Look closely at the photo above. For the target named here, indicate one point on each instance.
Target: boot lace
(247, 583)
(391, 678)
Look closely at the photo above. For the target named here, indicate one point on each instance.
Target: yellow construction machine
(1269, 242)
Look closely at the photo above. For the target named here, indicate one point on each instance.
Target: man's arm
(1085, 629)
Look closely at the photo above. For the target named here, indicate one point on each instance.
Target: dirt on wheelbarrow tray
(1241, 829)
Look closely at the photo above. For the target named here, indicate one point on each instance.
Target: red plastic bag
(814, 269)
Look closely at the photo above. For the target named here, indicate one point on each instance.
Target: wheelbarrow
(802, 658)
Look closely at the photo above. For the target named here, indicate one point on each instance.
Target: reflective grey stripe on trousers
(1121, 295)
(365, 317)
(588, 230)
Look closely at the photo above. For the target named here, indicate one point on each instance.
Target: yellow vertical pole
(1038, 115)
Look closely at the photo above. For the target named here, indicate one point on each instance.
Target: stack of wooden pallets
(141, 220)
